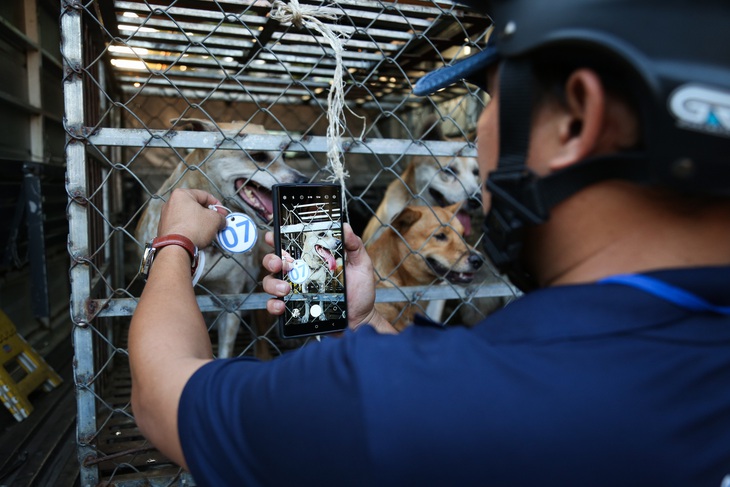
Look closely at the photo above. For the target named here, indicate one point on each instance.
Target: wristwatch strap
(163, 241)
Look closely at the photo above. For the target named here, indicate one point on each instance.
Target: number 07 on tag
(239, 235)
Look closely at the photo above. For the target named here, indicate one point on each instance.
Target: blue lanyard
(660, 289)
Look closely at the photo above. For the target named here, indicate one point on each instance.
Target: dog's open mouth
(438, 197)
(257, 197)
(326, 256)
(462, 215)
(453, 277)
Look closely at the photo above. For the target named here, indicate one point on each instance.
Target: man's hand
(186, 213)
(360, 283)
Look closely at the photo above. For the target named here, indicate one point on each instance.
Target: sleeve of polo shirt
(245, 422)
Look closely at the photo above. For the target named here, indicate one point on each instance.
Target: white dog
(242, 182)
(320, 253)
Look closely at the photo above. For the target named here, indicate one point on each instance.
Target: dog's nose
(475, 260)
(475, 201)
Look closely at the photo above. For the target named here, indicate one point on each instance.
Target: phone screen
(308, 234)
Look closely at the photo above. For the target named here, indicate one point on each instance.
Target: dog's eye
(440, 236)
(259, 156)
(448, 174)
(321, 234)
(476, 172)
(451, 171)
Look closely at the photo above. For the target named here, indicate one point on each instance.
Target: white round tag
(299, 272)
(239, 235)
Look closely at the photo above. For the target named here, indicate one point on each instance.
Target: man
(606, 145)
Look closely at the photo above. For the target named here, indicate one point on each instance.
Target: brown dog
(423, 246)
(242, 182)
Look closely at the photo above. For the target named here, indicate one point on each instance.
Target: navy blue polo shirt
(586, 385)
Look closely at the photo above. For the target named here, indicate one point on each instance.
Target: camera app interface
(311, 239)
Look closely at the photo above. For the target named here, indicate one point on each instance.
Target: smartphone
(308, 233)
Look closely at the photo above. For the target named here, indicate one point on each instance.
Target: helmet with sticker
(672, 62)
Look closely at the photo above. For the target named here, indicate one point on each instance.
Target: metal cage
(137, 71)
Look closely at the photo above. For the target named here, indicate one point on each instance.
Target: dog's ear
(453, 209)
(405, 219)
(453, 212)
(194, 124)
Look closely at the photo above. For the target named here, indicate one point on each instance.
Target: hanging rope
(308, 16)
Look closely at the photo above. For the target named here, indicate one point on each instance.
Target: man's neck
(616, 227)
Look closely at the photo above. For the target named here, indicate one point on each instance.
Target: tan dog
(242, 182)
(432, 181)
(423, 245)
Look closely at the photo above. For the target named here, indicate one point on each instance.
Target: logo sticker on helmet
(701, 108)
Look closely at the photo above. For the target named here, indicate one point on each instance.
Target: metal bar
(232, 68)
(307, 39)
(387, 104)
(78, 245)
(215, 77)
(414, 8)
(126, 306)
(235, 42)
(203, 58)
(215, 140)
(217, 15)
(33, 59)
(227, 42)
(40, 301)
(298, 50)
(226, 16)
(192, 27)
(383, 18)
(315, 58)
(230, 88)
(184, 47)
(228, 96)
(10, 256)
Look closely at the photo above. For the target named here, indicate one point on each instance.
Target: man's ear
(581, 123)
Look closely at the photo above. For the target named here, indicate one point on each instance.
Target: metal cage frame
(199, 52)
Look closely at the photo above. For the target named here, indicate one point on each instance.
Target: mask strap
(508, 215)
(516, 102)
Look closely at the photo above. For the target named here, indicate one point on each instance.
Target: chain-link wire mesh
(216, 94)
